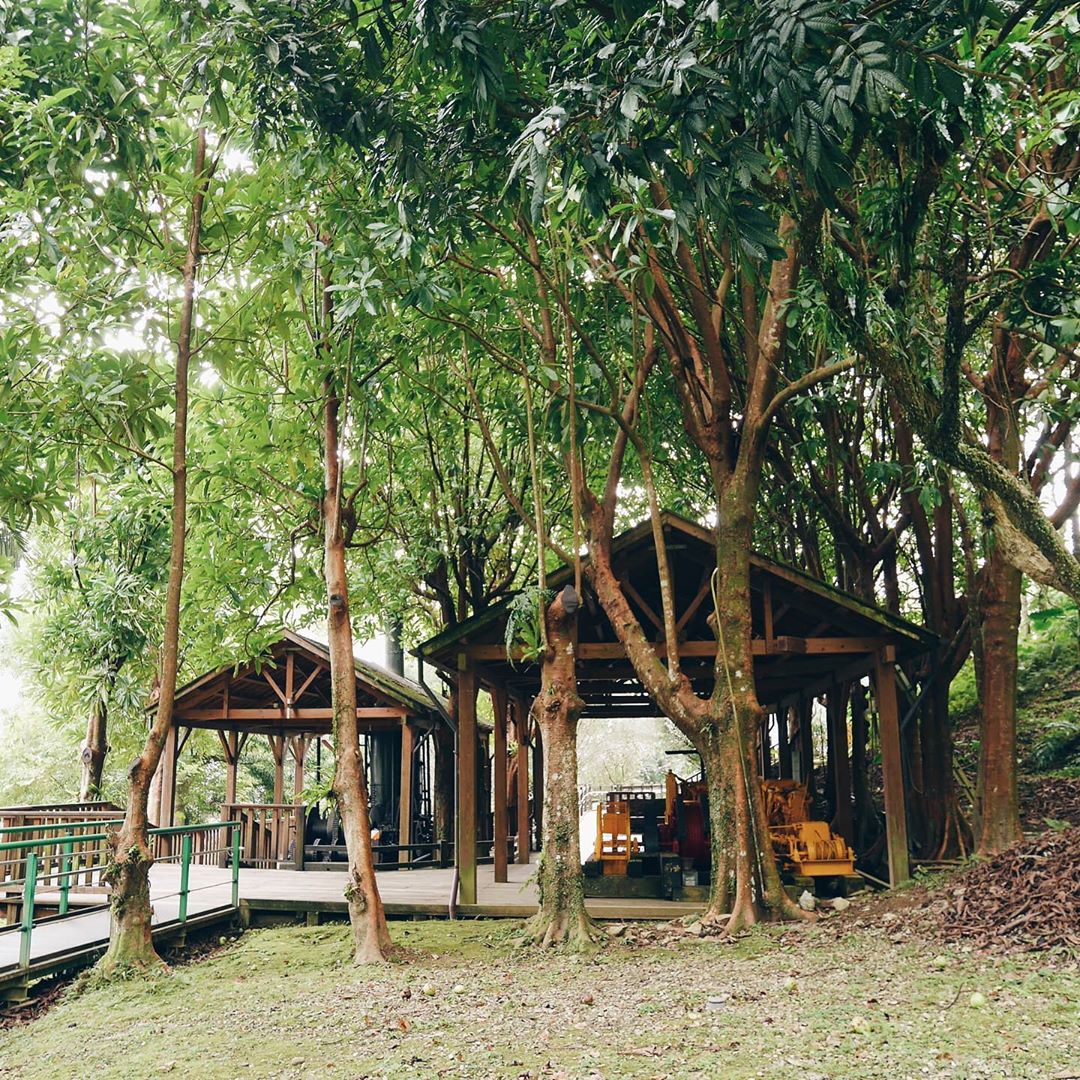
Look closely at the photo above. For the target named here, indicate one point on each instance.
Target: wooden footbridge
(56, 901)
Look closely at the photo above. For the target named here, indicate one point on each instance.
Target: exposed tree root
(573, 930)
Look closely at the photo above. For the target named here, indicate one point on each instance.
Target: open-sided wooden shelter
(283, 696)
(810, 640)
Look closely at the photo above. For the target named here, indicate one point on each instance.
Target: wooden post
(521, 717)
(806, 744)
(499, 832)
(836, 710)
(538, 783)
(277, 748)
(230, 745)
(766, 746)
(465, 853)
(167, 807)
(783, 749)
(892, 766)
(405, 798)
(298, 745)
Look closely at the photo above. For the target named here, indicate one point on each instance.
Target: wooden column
(230, 741)
(298, 745)
(465, 850)
(405, 796)
(806, 744)
(538, 784)
(521, 717)
(836, 710)
(499, 832)
(783, 731)
(766, 747)
(892, 766)
(277, 748)
(167, 807)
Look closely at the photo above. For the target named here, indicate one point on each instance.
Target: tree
(131, 944)
(956, 266)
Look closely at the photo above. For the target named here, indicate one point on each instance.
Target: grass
(833, 1000)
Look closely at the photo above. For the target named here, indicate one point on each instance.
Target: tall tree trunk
(999, 816)
(562, 916)
(131, 944)
(999, 609)
(722, 727)
(371, 937)
(759, 892)
(94, 748)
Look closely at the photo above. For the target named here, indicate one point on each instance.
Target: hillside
(1048, 719)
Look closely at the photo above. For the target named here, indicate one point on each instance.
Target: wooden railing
(268, 832)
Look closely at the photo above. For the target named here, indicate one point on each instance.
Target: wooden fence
(268, 833)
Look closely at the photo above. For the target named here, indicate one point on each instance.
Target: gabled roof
(396, 686)
(372, 679)
(908, 634)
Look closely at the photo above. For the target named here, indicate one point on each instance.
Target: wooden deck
(426, 892)
(79, 938)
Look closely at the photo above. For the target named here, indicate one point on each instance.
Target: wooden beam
(319, 668)
(465, 849)
(274, 686)
(521, 716)
(498, 782)
(783, 645)
(282, 714)
(892, 766)
(405, 814)
(641, 602)
(699, 599)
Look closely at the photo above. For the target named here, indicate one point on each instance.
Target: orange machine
(807, 848)
(614, 844)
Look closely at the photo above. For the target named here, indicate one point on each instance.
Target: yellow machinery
(614, 844)
(808, 848)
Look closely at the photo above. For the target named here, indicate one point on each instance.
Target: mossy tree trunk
(999, 611)
(131, 945)
(999, 814)
(562, 918)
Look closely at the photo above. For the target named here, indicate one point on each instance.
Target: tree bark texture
(562, 918)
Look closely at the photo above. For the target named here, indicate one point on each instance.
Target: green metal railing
(28, 850)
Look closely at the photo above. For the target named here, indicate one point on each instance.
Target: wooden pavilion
(283, 696)
(810, 641)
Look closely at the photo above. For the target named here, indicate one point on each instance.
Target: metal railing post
(27, 928)
(185, 867)
(236, 866)
(67, 849)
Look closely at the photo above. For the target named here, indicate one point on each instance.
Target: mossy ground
(820, 1001)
